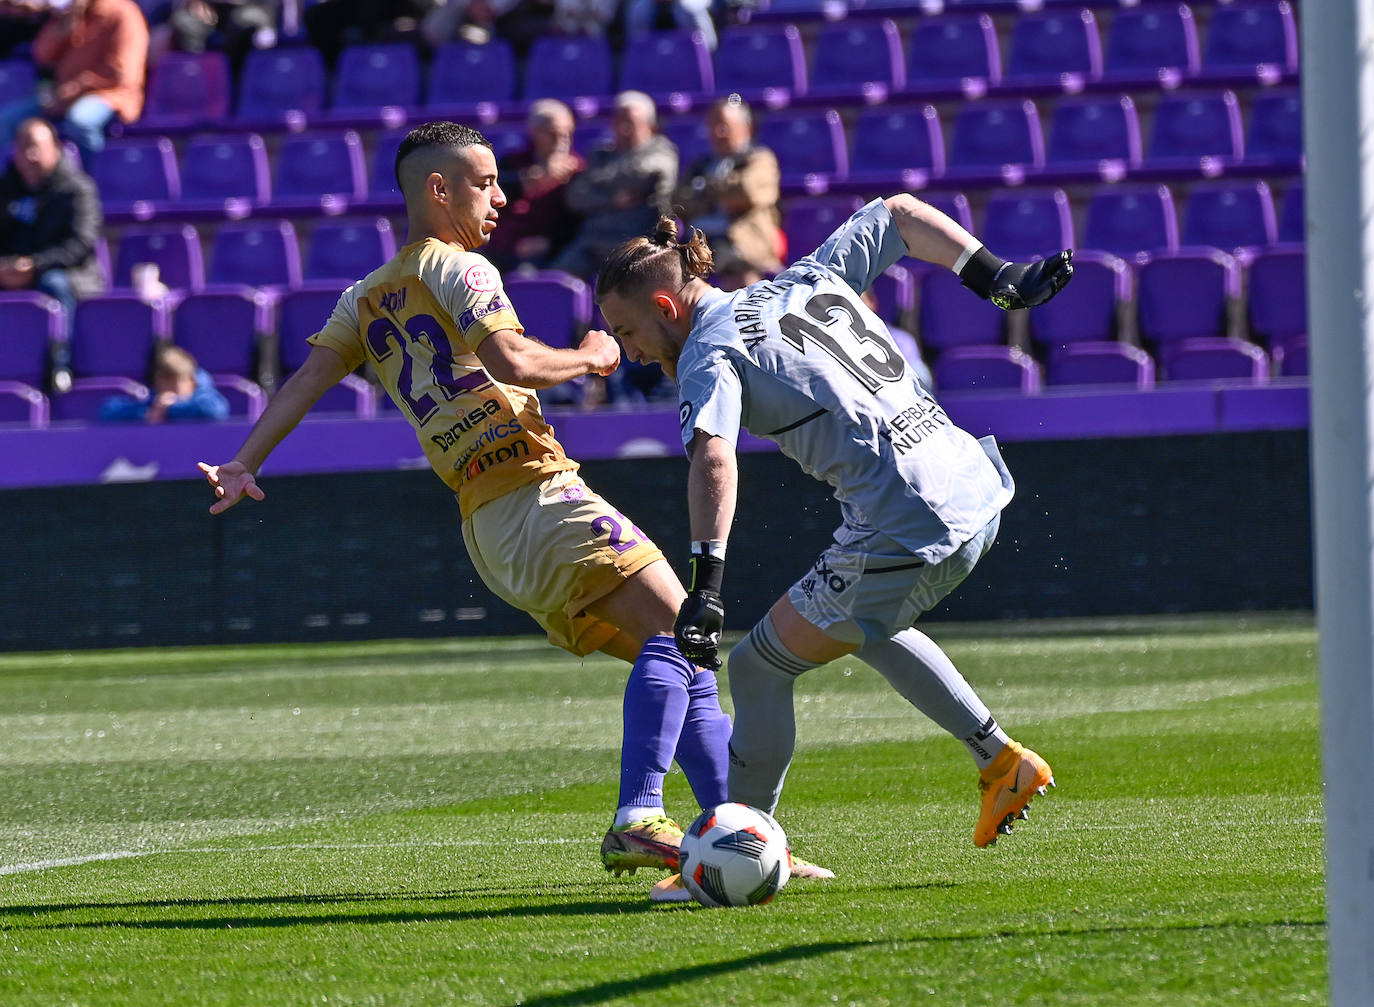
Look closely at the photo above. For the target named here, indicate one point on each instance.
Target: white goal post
(1338, 138)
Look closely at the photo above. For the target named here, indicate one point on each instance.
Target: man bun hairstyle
(659, 262)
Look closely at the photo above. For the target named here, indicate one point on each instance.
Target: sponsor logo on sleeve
(480, 278)
(684, 414)
(467, 318)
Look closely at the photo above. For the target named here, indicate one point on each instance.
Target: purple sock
(655, 705)
(703, 749)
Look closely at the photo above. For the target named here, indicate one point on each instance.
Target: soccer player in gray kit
(801, 361)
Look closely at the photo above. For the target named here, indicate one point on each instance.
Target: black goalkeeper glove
(1012, 285)
(702, 616)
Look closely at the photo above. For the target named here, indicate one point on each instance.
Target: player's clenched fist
(603, 350)
(232, 482)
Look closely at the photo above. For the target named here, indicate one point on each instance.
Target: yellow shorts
(553, 548)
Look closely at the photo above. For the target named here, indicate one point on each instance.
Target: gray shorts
(873, 587)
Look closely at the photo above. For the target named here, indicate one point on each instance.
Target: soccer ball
(734, 855)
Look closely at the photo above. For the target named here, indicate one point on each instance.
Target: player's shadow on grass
(222, 922)
(321, 899)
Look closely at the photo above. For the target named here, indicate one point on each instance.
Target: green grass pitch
(418, 823)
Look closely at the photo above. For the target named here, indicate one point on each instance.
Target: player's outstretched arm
(712, 485)
(935, 237)
(235, 479)
(514, 359)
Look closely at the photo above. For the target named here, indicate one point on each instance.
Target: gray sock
(917, 668)
(762, 675)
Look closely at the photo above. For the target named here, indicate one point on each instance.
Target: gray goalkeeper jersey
(801, 361)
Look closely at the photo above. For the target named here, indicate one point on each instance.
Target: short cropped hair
(630, 99)
(452, 135)
(658, 262)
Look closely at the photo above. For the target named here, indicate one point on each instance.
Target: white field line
(43, 865)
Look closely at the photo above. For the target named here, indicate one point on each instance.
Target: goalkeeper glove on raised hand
(701, 618)
(1012, 285)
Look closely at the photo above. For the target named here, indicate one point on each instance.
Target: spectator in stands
(643, 16)
(97, 51)
(333, 24)
(182, 390)
(624, 188)
(536, 222)
(50, 221)
(732, 195)
(19, 23)
(234, 26)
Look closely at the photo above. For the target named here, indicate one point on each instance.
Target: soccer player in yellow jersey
(437, 326)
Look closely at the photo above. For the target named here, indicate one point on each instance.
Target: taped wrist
(980, 271)
(708, 573)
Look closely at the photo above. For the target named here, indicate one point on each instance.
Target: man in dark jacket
(50, 221)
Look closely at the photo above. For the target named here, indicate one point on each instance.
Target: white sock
(632, 813)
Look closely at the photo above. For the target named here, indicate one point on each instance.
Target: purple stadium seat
(311, 166)
(1186, 295)
(753, 58)
(1087, 312)
(301, 313)
(689, 134)
(1292, 222)
(1275, 137)
(806, 143)
(381, 177)
(113, 336)
(1229, 215)
(1093, 129)
(890, 141)
(257, 254)
(187, 89)
(18, 77)
(87, 395)
(1152, 43)
(1101, 363)
(986, 369)
(808, 222)
(853, 53)
(1243, 35)
(1192, 126)
(568, 67)
(245, 397)
(371, 77)
(553, 307)
(275, 83)
(1277, 303)
(1125, 219)
(944, 51)
(31, 322)
(174, 249)
(894, 290)
(1049, 44)
(127, 171)
(218, 168)
(220, 326)
(952, 315)
(21, 403)
(1290, 359)
(662, 63)
(347, 250)
(463, 74)
(1216, 359)
(1022, 224)
(990, 134)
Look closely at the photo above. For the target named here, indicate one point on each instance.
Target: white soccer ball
(734, 855)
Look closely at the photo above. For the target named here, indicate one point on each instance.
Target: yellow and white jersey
(419, 319)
